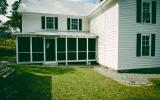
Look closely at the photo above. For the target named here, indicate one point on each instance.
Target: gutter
(98, 7)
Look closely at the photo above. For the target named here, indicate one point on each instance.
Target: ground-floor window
(38, 49)
(146, 44)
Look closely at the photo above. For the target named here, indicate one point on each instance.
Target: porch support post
(17, 50)
(31, 57)
(66, 52)
(44, 48)
(56, 48)
(77, 48)
(87, 53)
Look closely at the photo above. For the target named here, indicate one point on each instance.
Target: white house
(119, 34)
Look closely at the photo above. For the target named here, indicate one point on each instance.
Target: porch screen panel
(61, 49)
(82, 48)
(91, 48)
(24, 49)
(37, 49)
(71, 43)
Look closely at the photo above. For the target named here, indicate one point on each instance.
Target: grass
(74, 84)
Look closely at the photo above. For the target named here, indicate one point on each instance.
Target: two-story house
(119, 34)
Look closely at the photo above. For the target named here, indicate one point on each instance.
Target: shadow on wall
(143, 71)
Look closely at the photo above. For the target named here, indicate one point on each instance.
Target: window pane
(23, 44)
(72, 56)
(82, 56)
(37, 44)
(71, 44)
(61, 44)
(50, 22)
(91, 44)
(61, 56)
(74, 24)
(24, 57)
(91, 55)
(82, 44)
(38, 56)
(146, 12)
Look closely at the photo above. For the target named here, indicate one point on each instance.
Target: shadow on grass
(25, 86)
(43, 70)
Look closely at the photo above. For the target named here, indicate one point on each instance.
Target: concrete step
(4, 70)
(9, 72)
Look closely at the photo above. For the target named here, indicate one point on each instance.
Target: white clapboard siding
(31, 22)
(128, 28)
(105, 25)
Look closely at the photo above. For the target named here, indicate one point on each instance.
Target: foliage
(16, 18)
(3, 7)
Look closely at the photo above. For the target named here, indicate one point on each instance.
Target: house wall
(104, 23)
(31, 22)
(128, 28)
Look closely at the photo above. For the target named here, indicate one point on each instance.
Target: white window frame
(54, 25)
(150, 2)
(150, 39)
(71, 24)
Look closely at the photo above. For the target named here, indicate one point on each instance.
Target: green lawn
(37, 83)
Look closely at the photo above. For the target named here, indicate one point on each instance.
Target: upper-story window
(74, 24)
(49, 23)
(146, 11)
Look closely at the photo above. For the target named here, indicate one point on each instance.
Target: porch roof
(58, 34)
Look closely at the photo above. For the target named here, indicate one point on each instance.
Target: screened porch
(56, 48)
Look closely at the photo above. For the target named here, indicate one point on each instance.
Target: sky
(10, 2)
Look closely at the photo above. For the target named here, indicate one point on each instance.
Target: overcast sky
(10, 2)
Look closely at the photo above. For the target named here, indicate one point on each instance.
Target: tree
(3, 7)
(16, 18)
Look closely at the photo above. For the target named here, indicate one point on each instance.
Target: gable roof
(60, 7)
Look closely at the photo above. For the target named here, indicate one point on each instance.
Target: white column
(77, 48)
(56, 48)
(44, 48)
(87, 52)
(66, 52)
(31, 58)
(17, 50)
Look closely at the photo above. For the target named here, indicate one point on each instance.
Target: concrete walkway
(127, 78)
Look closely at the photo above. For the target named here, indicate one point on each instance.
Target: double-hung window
(146, 44)
(74, 24)
(146, 11)
(50, 23)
